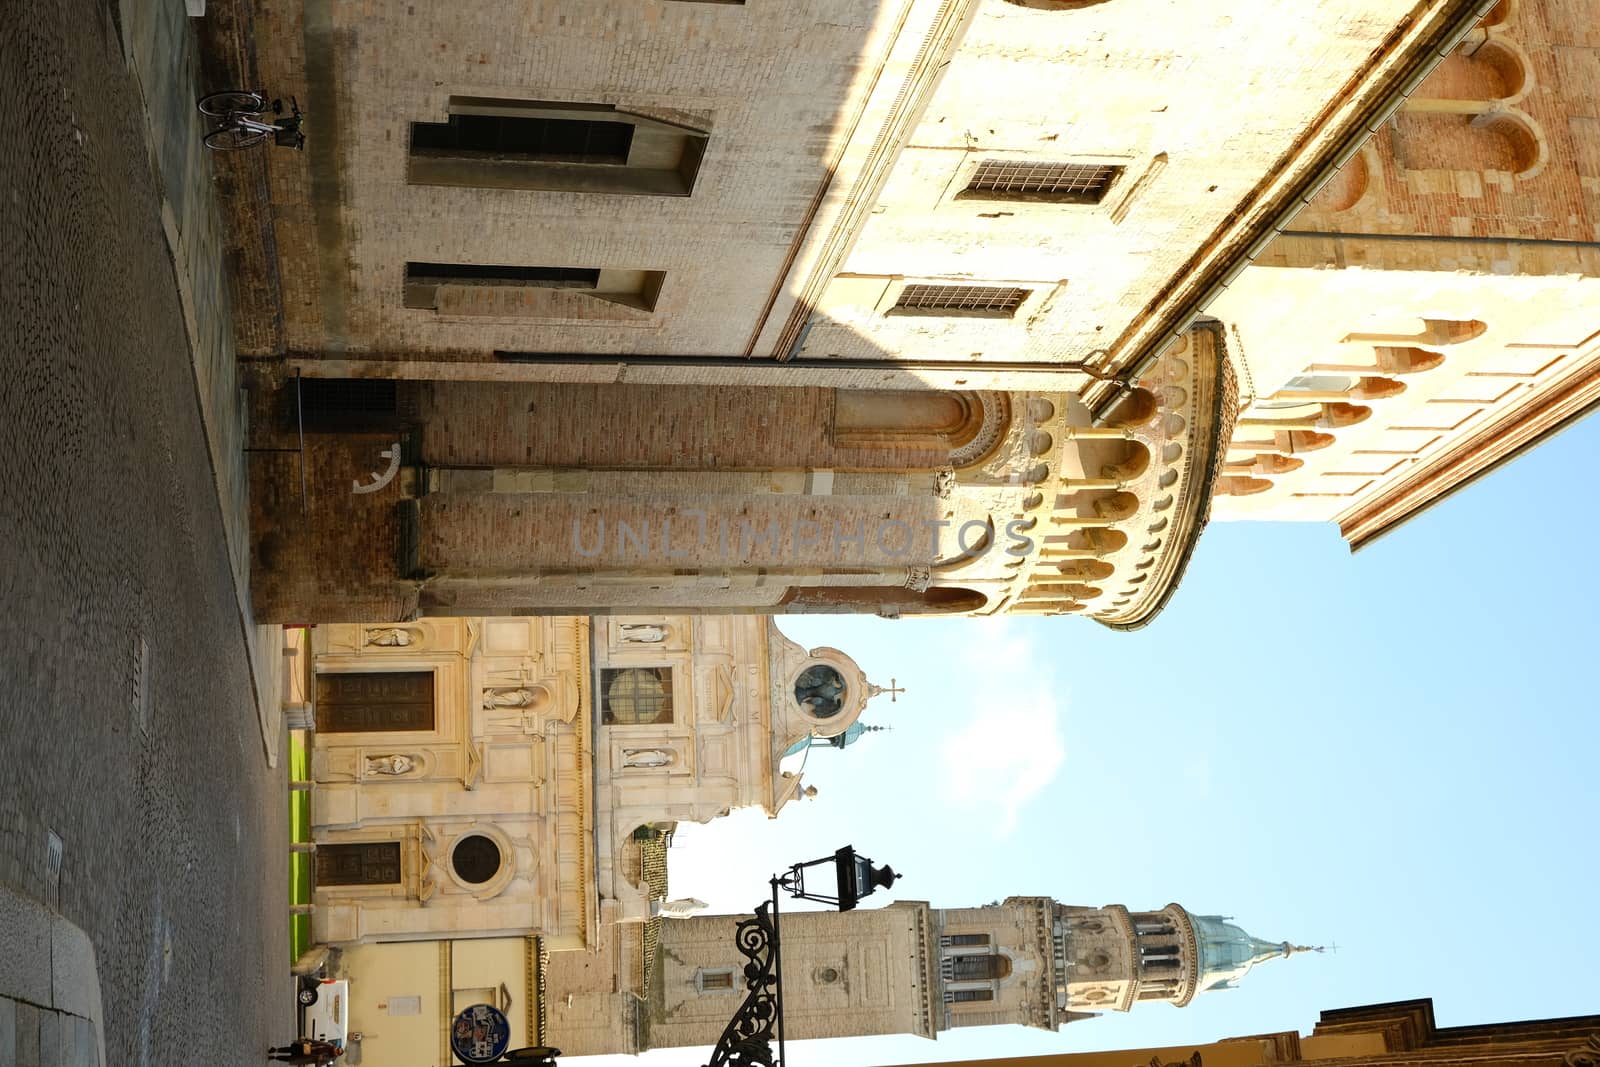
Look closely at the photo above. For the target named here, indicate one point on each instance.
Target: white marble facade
(479, 777)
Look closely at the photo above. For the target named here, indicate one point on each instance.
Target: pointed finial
(1289, 949)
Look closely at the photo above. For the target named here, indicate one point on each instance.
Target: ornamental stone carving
(397, 763)
(996, 419)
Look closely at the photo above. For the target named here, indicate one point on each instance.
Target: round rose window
(476, 859)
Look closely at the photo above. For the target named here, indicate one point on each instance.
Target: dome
(1227, 952)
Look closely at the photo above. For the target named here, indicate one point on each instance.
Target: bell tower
(909, 968)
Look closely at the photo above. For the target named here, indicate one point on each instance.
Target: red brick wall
(1438, 174)
(643, 427)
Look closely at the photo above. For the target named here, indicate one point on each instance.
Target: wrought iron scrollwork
(747, 1039)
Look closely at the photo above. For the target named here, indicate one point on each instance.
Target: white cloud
(1010, 749)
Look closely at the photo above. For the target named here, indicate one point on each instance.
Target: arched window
(979, 968)
(914, 418)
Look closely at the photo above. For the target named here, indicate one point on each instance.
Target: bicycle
(239, 108)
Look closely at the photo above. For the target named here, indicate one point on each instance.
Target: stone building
(1401, 1034)
(1433, 312)
(911, 969)
(487, 789)
(851, 305)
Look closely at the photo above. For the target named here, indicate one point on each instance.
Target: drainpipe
(1352, 145)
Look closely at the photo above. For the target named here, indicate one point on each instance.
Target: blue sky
(1395, 751)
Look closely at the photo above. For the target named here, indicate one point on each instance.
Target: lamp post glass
(854, 877)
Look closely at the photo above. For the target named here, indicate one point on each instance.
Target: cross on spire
(894, 689)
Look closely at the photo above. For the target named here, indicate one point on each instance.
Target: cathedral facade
(486, 792)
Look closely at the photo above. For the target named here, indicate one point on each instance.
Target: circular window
(476, 859)
(827, 975)
(820, 691)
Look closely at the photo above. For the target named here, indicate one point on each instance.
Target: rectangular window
(1062, 183)
(503, 290)
(495, 143)
(481, 274)
(344, 405)
(967, 996)
(377, 863)
(987, 300)
(553, 140)
(963, 940)
(375, 702)
(635, 696)
(714, 981)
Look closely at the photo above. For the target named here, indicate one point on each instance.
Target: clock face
(820, 691)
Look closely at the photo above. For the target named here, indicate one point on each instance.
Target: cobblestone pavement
(128, 730)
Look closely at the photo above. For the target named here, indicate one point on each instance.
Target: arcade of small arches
(1274, 438)
(1110, 508)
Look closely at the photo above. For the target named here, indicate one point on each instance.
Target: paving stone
(25, 935)
(8, 1033)
(175, 838)
(27, 1034)
(81, 1047)
(50, 1044)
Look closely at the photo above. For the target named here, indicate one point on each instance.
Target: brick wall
(643, 427)
(1442, 173)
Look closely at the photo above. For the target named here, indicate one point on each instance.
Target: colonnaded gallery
(898, 306)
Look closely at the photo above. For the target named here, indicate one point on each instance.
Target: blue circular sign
(480, 1034)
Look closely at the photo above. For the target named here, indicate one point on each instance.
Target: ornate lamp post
(747, 1039)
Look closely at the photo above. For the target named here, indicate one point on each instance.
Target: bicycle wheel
(232, 100)
(232, 139)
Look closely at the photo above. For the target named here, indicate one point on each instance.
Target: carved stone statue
(682, 908)
(389, 637)
(395, 764)
(646, 757)
(643, 633)
(508, 698)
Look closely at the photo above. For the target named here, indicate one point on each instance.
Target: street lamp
(747, 1039)
(854, 878)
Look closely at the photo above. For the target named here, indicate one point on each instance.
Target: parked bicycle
(242, 126)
